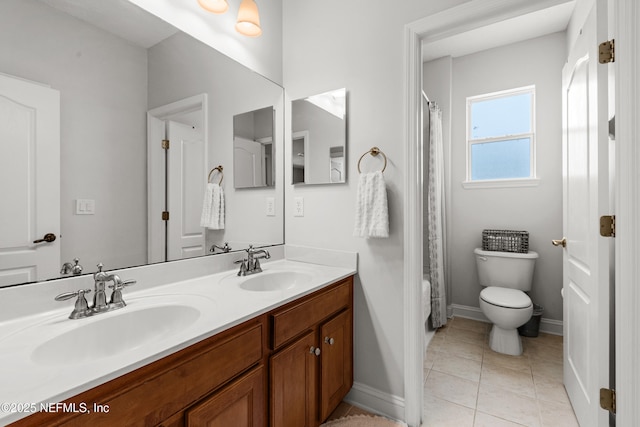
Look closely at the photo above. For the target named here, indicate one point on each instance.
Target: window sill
(502, 183)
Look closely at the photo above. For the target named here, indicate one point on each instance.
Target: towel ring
(219, 169)
(374, 152)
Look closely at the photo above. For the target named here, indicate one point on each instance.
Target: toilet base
(505, 341)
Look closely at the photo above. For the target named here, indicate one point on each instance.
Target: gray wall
(535, 209)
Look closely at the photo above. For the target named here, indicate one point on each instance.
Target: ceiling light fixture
(249, 19)
(215, 6)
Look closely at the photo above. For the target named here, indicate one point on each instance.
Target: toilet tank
(505, 269)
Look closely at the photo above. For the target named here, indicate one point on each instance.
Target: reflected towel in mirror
(372, 212)
(213, 207)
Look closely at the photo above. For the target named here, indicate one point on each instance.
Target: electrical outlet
(298, 209)
(271, 206)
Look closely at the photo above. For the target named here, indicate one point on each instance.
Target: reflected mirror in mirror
(319, 138)
(103, 84)
(253, 149)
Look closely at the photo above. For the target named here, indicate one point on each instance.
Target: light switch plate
(271, 206)
(85, 207)
(298, 209)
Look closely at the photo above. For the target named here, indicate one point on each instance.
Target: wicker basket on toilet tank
(505, 241)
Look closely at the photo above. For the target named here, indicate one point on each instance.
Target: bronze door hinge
(607, 52)
(608, 399)
(608, 226)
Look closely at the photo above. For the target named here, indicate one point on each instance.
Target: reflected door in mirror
(30, 176)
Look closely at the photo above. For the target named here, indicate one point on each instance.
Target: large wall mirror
(116, 82)
(319, 138)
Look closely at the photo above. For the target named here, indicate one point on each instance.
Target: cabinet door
(336, 370)
(240, 404)
(294, 384)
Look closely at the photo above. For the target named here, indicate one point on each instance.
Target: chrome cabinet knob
(329, 341)
(314, 350)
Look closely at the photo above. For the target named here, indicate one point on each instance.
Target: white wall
(262, 54)
(535, 209)
(356, 45)
(103, 95)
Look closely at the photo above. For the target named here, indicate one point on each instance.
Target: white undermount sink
(275, 281)
(117, 332)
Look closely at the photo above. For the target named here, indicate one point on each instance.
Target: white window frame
(529, 181)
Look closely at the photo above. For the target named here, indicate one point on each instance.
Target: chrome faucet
(69, 268)
(251, 265)
(225, 249)
(100, 305)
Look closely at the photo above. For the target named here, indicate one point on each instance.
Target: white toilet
(506, 276)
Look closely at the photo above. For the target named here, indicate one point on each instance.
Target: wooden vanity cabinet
(311, 368)
(289, 367)
(161, 393)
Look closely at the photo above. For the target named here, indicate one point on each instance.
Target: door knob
(562, 242)
(49, 237)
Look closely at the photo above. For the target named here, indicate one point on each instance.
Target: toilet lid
(505, 297)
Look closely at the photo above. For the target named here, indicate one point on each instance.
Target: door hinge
(165, 216)
(608, 226)
(606, 52)
(165, 144)
(608, 399)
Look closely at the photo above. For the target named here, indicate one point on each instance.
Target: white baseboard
(376, 401)
(548, 326)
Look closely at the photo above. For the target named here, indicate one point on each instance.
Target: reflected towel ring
(374, 152)
(218, 168)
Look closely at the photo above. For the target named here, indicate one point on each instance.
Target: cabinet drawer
(291, 321)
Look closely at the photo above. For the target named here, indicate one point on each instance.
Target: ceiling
(119, 17)
(524, 27)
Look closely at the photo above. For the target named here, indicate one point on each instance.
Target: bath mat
(363, 421)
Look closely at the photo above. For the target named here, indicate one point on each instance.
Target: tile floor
(468, 384)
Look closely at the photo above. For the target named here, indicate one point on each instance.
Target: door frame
(627, 192)
(156, 172)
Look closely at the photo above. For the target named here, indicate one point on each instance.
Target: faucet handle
(81, 307)
(119, 284)
(243, 266)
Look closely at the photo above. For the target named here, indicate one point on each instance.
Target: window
(501, 138)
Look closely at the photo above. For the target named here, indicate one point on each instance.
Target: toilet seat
(505, 297)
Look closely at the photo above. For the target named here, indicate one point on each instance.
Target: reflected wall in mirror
(319, 138)
(108, 75)
(253, 149)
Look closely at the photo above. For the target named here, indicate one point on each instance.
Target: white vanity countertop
(30, 376)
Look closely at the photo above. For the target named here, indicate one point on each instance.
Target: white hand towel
(213, 208)
(372, 212)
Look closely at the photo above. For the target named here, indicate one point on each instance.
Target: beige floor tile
(486, 420)
(467, 335)
(546, 368)
(557, 414)
(455, 347)
(354, 410)
(436, 342)
(341, 411)
(430, 357)
(544, 352)
(520, 363)
(467, 369)
(452, 389)
(510, 380)
(506, 405)
(472, 325)
(440, 413)
(550, 390)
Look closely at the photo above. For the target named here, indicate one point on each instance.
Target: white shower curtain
(436, 218)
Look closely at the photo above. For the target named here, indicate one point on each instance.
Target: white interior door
(30, 177)
(586, 198)
(187, 179)
(248, 163)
